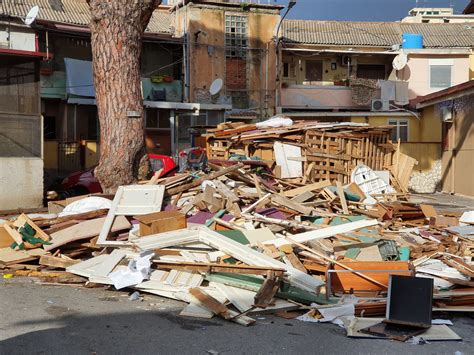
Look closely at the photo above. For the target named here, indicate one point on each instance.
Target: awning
(79, 80)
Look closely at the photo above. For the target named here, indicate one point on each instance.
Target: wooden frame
(128, 201)
(241, 252)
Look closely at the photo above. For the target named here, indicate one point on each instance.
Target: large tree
(117, 28)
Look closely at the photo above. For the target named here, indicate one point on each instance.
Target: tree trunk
(117, 28)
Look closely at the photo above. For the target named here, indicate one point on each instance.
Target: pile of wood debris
(236, 240)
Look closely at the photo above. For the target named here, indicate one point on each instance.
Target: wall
(21, 183)
(424, 137)
(20, 38)
(205, 26)
(417, 72)
(458, 156)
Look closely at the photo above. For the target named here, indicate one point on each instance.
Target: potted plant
(339, 80)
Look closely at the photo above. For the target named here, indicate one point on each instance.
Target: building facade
(334, 71)
(21, 141)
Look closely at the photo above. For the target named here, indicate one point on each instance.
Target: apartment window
(235, 36)
(400, 130)
(440, 76)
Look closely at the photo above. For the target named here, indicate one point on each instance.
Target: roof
(466, 87)
(376, 34)
(73, 12)
(469, 8)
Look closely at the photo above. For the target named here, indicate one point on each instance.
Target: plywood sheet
(84, 230)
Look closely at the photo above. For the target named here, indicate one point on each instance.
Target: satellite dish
(216, 87)
(31, 16)
(400, 61)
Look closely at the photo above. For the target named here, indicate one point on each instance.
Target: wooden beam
(299, 190)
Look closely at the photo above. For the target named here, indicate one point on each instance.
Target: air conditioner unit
(379, 105)
(446, 114)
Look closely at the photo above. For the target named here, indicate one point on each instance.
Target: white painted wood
(109, 263)
(324, 232)
(128, 201)
(196, 311)
(289, 168)
(230, 247)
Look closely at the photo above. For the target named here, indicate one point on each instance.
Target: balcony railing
(322, 97)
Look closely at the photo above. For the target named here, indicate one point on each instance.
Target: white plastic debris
(370, 183)
(87, 204)
(137, 270)
(275, 122)
(329, 314)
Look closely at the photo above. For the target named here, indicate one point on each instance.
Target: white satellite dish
(400, 61)
(216, 87)
(31, 16)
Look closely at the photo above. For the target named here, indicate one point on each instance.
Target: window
(314, 70)
(154, 119)
(400, 130)
(440, 76)
(235, 36)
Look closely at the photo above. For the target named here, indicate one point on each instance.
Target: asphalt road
(38, 319)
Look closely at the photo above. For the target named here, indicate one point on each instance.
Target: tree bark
(117, 28)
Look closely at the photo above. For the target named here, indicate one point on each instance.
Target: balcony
(318, 97)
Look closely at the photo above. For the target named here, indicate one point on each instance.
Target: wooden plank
(289, 169)
(300, 190)
(9, 256)
(267, 291)
(53, 261)
(84, 230)
(210, 268)
(326, 232)
(218, 308)
(429, 211)
(77, 217)
(345, 281)
(342, 197)
(287, 203)
(5, 239)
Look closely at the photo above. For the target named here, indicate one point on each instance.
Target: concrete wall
(417, 72)
(21, 183)
(458, 153)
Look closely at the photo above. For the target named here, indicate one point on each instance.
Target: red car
(84, 182)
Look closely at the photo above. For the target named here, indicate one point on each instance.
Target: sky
(362, 10)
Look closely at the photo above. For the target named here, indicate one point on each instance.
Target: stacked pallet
(329, 151)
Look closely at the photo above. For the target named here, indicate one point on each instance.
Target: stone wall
(426, 182)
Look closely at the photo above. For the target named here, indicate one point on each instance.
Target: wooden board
(5, 239)
(9, 256)
(84, 230)
(345, 281)
(289, 168)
